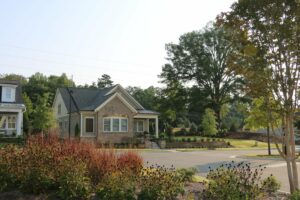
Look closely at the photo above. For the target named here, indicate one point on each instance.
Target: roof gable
(92, 99)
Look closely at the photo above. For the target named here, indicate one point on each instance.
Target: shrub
(183, 140)
(295, 195)
(209, 123)
(130, 161)
(234, 181)
(270, 184)
(194, 139)
(188, 139)
(193, 129)
(48, 163)
(160, 183)
(183, 132)
(10, 166)
(73, 180)
(117, 186)
(186, 174)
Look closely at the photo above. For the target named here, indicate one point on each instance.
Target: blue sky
(87, 38)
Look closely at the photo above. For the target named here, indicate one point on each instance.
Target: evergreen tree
(209, 124)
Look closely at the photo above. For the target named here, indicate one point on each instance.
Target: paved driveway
(213, 158)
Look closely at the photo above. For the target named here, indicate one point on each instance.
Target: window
(106, 125)
(8, 94)
(59, 109)
(89, 125)
(139, 126)
(11, 122)
(8, 121)
(3, 120)
(124, 123)
(115, 124)
(60, 125)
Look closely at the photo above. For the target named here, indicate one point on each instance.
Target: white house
(11, 109)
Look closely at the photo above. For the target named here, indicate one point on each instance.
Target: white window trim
(6, 124)
(85, 124)
(111, 125)
(137, 126)
(12, 95)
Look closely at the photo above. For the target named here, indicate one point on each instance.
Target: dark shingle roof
(88, 99)
(148, 112)
(19, 99)
(84, 99)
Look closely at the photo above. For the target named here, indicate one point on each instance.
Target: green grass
(265, 156)
(236, 143)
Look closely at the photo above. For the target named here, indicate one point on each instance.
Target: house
(104, 115)
(11, 109)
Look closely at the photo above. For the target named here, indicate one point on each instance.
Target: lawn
(236, 143)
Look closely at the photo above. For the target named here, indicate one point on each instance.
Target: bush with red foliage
(35, 167)
(130, 161)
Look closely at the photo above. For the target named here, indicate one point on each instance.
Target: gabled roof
(91, 99)
(19, 99)
(84, 99)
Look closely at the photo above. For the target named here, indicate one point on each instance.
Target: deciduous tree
(268, 35)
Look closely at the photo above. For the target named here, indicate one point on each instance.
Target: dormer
(10, 92)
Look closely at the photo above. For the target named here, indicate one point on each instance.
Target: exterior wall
(115, 108)
(59, 100)
(64, 129)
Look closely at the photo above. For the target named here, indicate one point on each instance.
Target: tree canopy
(200, 59)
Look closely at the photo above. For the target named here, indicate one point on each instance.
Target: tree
(259, 116)
(27, 116)
(209, 124)
(200, 59)
(268, 35)
(42, 115)
(14, 77)
(146, 97)
(104, 81)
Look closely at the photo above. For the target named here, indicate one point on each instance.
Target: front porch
(11, 124)
(146, 122)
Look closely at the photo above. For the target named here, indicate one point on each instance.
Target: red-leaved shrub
(130, 161)
(36, 167)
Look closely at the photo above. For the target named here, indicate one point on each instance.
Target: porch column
(156, 126)
(148, 124)
(19, 123)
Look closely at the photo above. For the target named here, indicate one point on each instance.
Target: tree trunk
(293, 151)
(290, 153)
(268, 134)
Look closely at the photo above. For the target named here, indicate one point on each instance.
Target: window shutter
(0, 93)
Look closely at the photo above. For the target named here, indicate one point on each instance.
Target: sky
(87, 38)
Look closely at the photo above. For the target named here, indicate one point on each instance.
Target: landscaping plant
(67, 167)
(238, 181)
(159, 183)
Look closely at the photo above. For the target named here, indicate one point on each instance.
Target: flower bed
(73, 170)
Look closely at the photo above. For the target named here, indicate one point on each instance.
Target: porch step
(155, 145)
(151, 145)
